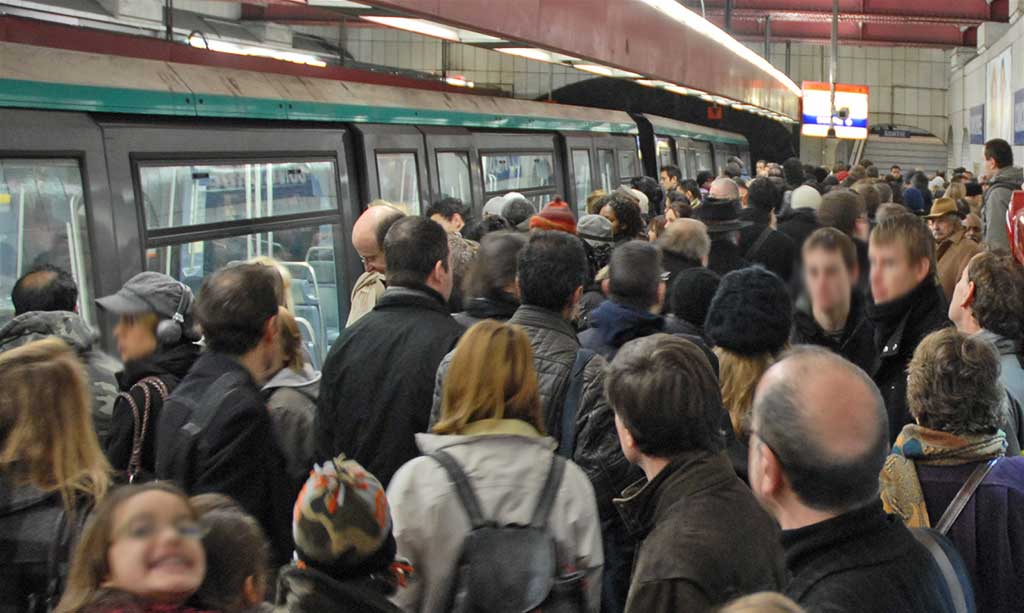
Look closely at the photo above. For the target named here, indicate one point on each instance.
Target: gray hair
(686, 237)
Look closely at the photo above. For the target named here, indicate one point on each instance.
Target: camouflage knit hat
(342, 523)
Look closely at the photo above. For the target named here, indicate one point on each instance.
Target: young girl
(141, 553)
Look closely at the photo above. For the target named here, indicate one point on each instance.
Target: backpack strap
(470, 503)
(219, 390)
(952, 580)
(761, 238)
(964, 496)
(140, 418)
(567, 442)
(549, 493)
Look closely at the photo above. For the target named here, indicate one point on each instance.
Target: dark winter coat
(989, 534)
(704, 539)
(863, 560)
(857, 342)
(798, 224)
(777, 252)
(73, 330)
(378, 379)
(481, 308)
(306, 590)
(725, 256)
(674, 263)
(900, 325)
(170, 366)
(592, 298)
(33, 530)
(237, 454)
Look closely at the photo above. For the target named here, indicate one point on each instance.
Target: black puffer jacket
(856, 344)
(485, 307)
(798, 224)
(302, 590)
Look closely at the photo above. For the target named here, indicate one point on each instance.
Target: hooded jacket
(307, 590)
(170, 366)
(900, 325)
(704, 540)
(291, 397)
(33, 529)
(857, 341)
(798, 224)
(996, 203)
(776, 250)
(506, 462)
(72, 329)
(1011, 375)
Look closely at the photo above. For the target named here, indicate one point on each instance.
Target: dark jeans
(619, 549)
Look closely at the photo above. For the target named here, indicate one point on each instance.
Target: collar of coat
(413, 295)
(891, 318)
(483, 430)
(530, 316)
(1004, 345)
(645, 502)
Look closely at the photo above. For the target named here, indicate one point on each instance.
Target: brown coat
(952, 255)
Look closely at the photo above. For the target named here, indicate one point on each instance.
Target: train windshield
(42, 221)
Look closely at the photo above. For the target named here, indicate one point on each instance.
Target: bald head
(368, 234)
(44, 288)
(724, 188)
(688, 238)
(826, 423)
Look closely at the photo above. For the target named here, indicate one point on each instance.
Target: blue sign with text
(977, 125)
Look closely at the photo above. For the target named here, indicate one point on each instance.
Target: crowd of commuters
(785, 388)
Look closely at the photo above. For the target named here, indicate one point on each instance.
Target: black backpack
(513, 568)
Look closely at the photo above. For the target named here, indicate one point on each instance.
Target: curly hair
(631, 223)
(953, 384)
(998, 294)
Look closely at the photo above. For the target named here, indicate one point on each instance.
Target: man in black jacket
(684, 244)
(214, 433)
(908, 305)
(703, 538)
(720, 213)
(760, 242)
(832, 312)
(818, 443)
(378, 377)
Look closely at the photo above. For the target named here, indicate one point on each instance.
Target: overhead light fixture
(275, 54)
(678, 89)
(418, 26)
(339, 4)
(606, 71)
(530, 53)
(692, 20)
(653, 83)
(459, 81)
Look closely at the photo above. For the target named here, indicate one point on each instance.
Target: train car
(111, 165)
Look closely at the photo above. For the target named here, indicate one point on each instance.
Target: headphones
(170, 331)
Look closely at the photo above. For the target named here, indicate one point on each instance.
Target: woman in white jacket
(491, 425)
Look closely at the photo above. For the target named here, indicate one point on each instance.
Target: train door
(55, 205)
(665, 151)
(200, 197)
(530, 164)
(454, 166)
(703, 157)
(582, 170)
(396, 166)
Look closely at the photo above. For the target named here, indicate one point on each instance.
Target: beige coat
(952, 255)
(507, 463)
(367, 291)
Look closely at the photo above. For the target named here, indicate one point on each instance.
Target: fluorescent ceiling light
(678, 89)
(475, 38)
(692, 20)
(285, 56)
(418, 26)
(459, 81)
(606, 71)
(653, 83)
(539, 55)
(339, 4)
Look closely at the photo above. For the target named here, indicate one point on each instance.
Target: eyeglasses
(145, 529)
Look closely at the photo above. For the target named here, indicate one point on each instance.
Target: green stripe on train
(60, 96)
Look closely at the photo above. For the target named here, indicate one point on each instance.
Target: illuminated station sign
(851, 117)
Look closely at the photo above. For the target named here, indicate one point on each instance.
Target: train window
(702, 151)
(664, 152)
(194, 194)
(453, 175)
(307, 252)
(627, 165)
(606, 169)
(398, 175)
(581, 174)
(509, 172)
(42, 221)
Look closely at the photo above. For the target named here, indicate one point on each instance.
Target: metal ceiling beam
(816, 16)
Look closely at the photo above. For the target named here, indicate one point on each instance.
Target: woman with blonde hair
(958, 192)
(52, 470)
(491, 430)
(749, 321)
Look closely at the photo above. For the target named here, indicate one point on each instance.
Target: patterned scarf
(901, 489)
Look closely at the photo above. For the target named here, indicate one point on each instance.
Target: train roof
(51, 78)
(681, 129)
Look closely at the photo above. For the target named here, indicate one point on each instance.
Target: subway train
(111, 165)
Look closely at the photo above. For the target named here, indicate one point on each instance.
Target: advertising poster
(999, 98)
(977, 124)
(1018, 117)
(851, 119)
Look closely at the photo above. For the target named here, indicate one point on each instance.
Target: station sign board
(851, 118)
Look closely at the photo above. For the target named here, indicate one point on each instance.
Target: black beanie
(751, 312)
(692, 291)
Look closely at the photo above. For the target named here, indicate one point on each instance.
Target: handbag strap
(956, 589)
(140, 418)
(964, 496)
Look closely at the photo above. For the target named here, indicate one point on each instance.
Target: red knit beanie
(556, 215)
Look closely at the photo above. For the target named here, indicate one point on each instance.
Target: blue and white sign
(1018, 117)
(976, 125)
(851, 106)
